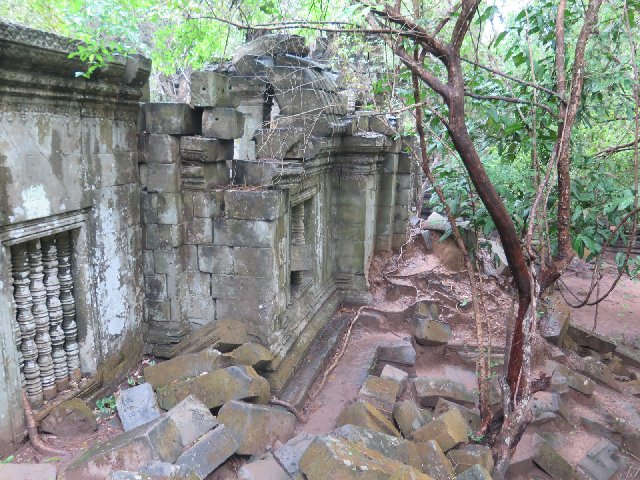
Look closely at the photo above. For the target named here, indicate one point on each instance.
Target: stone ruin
(129, 228)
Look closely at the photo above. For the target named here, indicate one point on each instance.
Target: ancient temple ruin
(129, 227)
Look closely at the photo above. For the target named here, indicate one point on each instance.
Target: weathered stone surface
(210, 89)
(402, 354)
(631, 442)
(389, 372)
(431, 332)
(448, 430)
(476, 472)
(27, 471)
(264, 468)
(272, 45)
(274, 143)
(466, 457)
(549, 460)
(602, 461)
(122, 475)
(408, 416)
(156, 440)
(185, 366)
(162, 177)
(211, 451)
(341, 459)
(251, 354)
(170, 118)
(222, 123)
(256, 428)
(380, 392)
(555, 323)
(403, 451)
(70, 418)
(254, 204)
(590, 339)
(597, 370)
(159, 148)
(192, 418)
(545, 406)
(437, 465)
(429, 390)
(216, 388)
(363, 414)
(289, 454)
(629, 356)
(168, 471)
(137, 406)
(304, 100)
(574, 380)
(205, 150)
(471, 415)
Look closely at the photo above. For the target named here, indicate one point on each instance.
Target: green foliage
(106, 405)
(9, 459)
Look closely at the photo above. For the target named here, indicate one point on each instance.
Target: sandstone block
(70, 418)
(437, 464)
(380, 392)
(185, 366)
(272, 45)
(192, 418)
(256, 428)
(341, 459)
(162, 177)
(429, 390)
(545, 406)
(216, 388)
(168, 471)
(205, 150)
(274, 143)
(409, 417)
(243, 233)
(549, 460)
(466, 457)
(363, 414)
(211, 451)
(448, 430)
(222, 123)
(210, 89)
(427, 309)
(306, 100)
(251, 354)
(170, 118)
(137, 406)
(263, 468)
(27, 471)
(590, 339)
(471, 415)
(159, 148)
(574, 380)
(430, 332)
(198, 231)
(629, 356)
(403, 354)
(389, 372)
(555, 323)
(603, 461)
(597, 370)
(289, 454)
(254, 204)
(476, 472)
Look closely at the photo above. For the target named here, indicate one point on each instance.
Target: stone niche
(263, 201)
(71, 284)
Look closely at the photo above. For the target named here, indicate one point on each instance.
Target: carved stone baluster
(22, 296)
(63, 243)
(13, 309)
(297, 238)
(52, 286)
(41, 318)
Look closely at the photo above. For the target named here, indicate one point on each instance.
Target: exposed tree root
(302, 418)
(32, 429)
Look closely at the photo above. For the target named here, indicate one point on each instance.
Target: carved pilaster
(28, 348)
(297, 238)
(52, 286)
(63, 243)
(41, 318)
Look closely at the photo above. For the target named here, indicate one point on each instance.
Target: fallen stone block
(170, 118)
(389, 372)
(168, 471)
(401, 450)
(429, 390)
(272, 45)
(27, 471)
(289, 454)
(264, 468)
(380, 392)
(274, 143)
(363, 414)
(466, 457)
(555, 323)
(448, 430)
(69, 419)
(619, 369)
(345, 461)
(403, 354)
(575, 380)
(631, 442)
(437, 464)
(306, 100)
(629, 356)
(409, 417)
(597, 370)
(471, 415)
(251, 354)
(192, 418)
(559, 384)
(427, 309)
(256, 428)
(545, 406)
(156, 440)
(602, 462)
(549, 460)
(431, 333)
(590, 339)
(521, 461)
(477, 472)
(210, 451)
(216, 388)
(185, 366)
(222, 123)
(137, 406)
(210, 89)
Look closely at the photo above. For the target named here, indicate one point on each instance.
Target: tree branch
(501, 98)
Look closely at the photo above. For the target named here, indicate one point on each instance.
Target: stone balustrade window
(302, 244)
(45, 315)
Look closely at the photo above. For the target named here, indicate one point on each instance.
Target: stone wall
(68, 169)
(271, 212)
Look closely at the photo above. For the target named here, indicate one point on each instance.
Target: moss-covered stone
(448, 430)
(363, 414)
